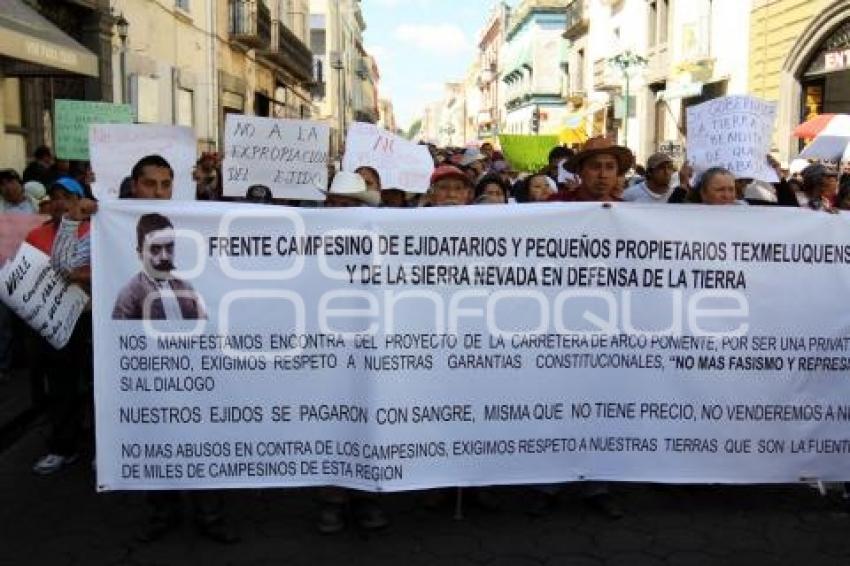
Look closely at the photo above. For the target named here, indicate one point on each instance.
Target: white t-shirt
(642, 193)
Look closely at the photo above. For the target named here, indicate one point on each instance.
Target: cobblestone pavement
(59, 520)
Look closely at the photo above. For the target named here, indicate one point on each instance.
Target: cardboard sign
(72, 121)
(290, 157)
(116, 148)
(401, 163)
(41, 296)
(733, 132)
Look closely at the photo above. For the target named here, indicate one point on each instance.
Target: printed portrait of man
(154, 293)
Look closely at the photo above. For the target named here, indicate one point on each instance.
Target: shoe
(605, 504)
(219, 531)
(52, 463)
(157, 527)
(331, 519)
(370, 516)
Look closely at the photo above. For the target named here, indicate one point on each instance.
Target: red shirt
(43, 236)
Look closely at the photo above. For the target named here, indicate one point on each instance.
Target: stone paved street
(60, 521)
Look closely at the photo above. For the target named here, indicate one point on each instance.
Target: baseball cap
(69, 185)
(657, 160)
(449, 172)
(259, 193)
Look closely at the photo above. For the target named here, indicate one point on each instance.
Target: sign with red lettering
(837, 60)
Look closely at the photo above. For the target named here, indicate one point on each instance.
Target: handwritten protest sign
(116, 148)
(13, 230)
(732, 132)
(72, 121)
(288, 156)
(400, 163)
(40, 296)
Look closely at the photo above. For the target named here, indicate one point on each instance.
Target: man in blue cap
(68, 370)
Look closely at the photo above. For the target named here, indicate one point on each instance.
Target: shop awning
(32, 45)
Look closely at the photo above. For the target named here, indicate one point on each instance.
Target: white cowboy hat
(346, 183)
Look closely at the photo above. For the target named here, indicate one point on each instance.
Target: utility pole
(626, 62)
(337, 65)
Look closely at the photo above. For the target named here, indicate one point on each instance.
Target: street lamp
(626, 62)
(123, 28)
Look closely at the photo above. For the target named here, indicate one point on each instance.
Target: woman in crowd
(536, 188)
(715, 187)
(491, 189)
(820, 185)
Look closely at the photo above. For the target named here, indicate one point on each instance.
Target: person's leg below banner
(64, 372)
(597, 495)
(210, 517)
(6, 317)
(164, 515)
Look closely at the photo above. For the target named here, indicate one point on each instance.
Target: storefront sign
(837, 60)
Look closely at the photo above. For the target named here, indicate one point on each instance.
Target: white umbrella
(832, 143)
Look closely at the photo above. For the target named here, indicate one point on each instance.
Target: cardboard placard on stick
(733, 132)
(290, 157)
(116, 148)
(401, 163)
(72, 121)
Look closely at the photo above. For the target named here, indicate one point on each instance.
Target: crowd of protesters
(600, 171)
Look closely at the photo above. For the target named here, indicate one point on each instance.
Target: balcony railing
(577, 22)
(250, 23)
(288, 51)
(603, 75)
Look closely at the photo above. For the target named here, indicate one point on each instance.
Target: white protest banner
(40, 296)
(72, 119)
(401, 163)
(386, 349)
(116, 148)
(734, 132)
(288, 156)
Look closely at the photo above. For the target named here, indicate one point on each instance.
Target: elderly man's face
(157, 253)
(599, 176)
(154, 183)
(450, 192)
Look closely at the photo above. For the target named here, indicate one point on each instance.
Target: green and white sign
(72, 121)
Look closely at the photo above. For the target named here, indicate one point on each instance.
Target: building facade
(49, 50)
(800, 58)
(223, 57)
(532, 68)
(634, 67)
(183, 62)
(386, 118)
(337, 42)
(491, 115)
